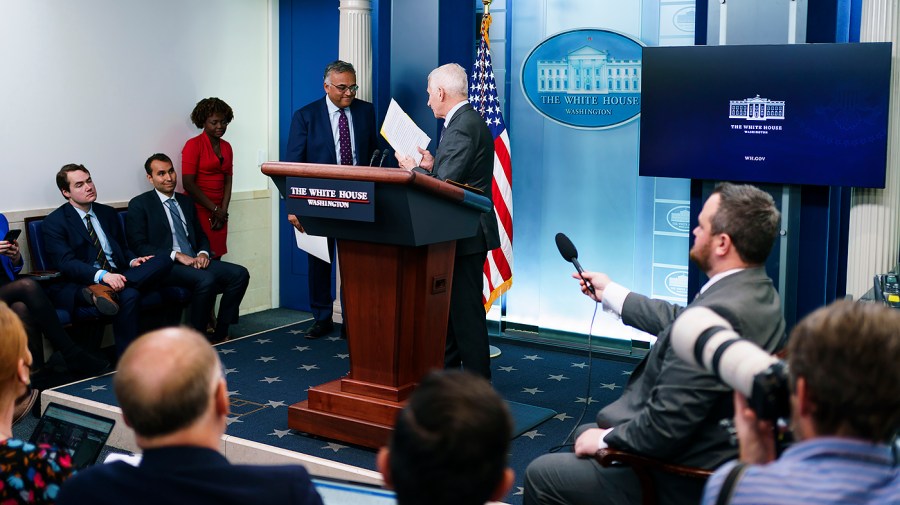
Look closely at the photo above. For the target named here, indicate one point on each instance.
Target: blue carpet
(545, 389)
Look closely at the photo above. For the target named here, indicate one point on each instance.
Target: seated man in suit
(84, 241)
(450, 443)
(669, 409)
(164, 223)
(172, 392)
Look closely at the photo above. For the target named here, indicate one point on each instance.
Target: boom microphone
(570, 254)
(374, 155)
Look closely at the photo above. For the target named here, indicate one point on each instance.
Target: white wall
(106, 83)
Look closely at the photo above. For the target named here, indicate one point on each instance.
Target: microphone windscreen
(566, 247)
(374, 157)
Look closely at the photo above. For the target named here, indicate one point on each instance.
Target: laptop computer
(82, 434)
(341, 492)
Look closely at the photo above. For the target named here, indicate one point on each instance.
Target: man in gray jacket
(670, 410)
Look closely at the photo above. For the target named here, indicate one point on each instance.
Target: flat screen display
(788, 114)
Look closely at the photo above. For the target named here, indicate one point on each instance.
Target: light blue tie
(180, 235)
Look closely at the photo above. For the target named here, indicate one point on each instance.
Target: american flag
(483, 97)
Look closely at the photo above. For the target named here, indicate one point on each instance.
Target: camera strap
(728, 485)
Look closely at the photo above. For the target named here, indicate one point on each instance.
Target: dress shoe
(319, 329)
(23, 407)
(81, 362)
(102, 297)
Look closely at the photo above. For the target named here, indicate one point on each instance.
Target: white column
(356, 42)
(874, 238)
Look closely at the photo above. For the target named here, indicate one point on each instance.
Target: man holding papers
(335, 129)
(465, 154)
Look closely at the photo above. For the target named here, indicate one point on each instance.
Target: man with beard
(671, 410)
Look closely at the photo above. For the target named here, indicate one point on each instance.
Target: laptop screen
(338, 492)
(82, 434)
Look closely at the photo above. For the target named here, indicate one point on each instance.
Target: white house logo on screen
(756, 109)
(684, 19)
(679, 218)
(585, 78)
(676, 283)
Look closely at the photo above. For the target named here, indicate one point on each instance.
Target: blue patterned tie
(344, 139)
(180, 235)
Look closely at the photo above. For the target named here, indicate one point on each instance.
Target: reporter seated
(450, 443)
(844, 377)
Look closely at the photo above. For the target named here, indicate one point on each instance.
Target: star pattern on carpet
(334, 446)
(230, 370)
(532, 391)
(233, 419)
(301, 348)
(579, 365)
(506, 369)
(275, 405)
(558, 378)
(589, 400)
(532, 357)
(531, 434)
(611, 387)
(308, 367)
(263, 340)
(266, 359)
(270, 379)
(94, 389)
(519, 491)
(297, 332)
(280, 433)
(342, 355)
(626, 372)
(333, 339)
(234, 393)
(562, 416)
(226, 351)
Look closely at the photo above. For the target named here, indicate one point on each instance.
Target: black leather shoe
(319, 329)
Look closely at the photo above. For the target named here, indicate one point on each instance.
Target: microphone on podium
(374, 155)
(570, 254)
(383, 156)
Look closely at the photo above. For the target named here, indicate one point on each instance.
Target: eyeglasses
(343, 88)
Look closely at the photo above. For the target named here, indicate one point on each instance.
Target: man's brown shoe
(102, 297)
(23, 406)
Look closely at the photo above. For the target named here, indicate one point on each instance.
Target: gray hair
(452, 78)
(338, 67)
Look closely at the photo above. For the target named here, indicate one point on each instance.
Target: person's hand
(219, 218)
(201, 261)
(404, 161)
(10, 250)
(756, 438)
(215, 223)
(115, 281)
(597, 279)
(296, 222)
(184, 259)
(137, 261)
(588, 443)
(427, 159)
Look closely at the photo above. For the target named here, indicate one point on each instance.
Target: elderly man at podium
(465, 154)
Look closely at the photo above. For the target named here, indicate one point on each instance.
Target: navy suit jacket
(311, 139)
(148, 225)
(71, 251)
(188, 475)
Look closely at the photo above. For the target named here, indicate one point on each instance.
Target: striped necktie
(180, 235)
(101, 256)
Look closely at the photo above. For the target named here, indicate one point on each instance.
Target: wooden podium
(396, 272)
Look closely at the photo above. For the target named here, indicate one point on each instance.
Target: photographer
(844, 383)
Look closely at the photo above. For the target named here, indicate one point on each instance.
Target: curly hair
(209, 106)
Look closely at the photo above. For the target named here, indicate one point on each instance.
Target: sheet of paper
(402, 133)
(317, 246)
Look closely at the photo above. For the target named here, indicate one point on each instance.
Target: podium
(396, 243)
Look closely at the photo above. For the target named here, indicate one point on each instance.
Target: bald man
(172, 392)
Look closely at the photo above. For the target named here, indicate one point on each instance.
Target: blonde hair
(13, 343)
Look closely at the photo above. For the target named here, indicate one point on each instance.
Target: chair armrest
(41, 275)
(609, 457)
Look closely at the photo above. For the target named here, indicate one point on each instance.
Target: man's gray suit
(669, 410)
(465, 154)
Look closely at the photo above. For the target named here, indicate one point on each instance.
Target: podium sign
(332, 198)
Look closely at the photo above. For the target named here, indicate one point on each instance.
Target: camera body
(707, 340)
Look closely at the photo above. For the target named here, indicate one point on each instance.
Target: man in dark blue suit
(84, 241)
(173, 394)
(164, 223)
(335, 129)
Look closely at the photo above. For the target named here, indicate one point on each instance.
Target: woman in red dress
(206, 169)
